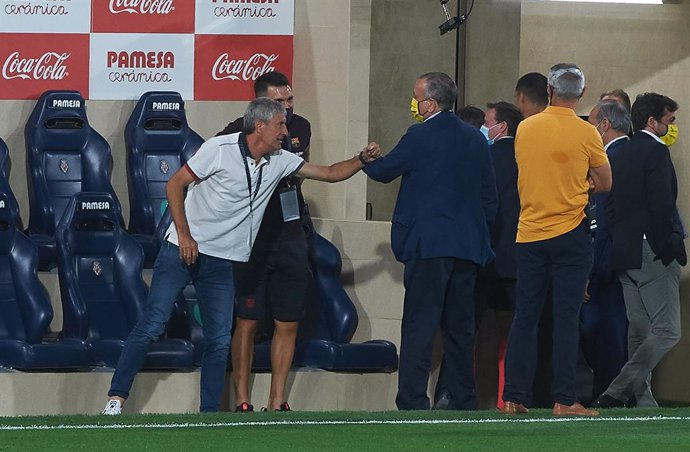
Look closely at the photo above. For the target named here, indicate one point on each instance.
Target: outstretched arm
(341, 170)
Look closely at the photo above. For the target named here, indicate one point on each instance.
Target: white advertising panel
(124, 66)
(245, 17)
(45, 16)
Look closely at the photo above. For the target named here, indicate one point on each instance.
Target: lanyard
(243, 151)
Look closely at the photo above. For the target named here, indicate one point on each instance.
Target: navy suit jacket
(643, 202)
(447, 199)
(504, 230)
(601, 266)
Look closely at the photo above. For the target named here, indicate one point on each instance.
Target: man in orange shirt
(556, 152)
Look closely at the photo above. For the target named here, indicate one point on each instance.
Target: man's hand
(189, 249)
(371, 152)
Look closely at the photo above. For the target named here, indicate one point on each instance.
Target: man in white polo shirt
(230, 179)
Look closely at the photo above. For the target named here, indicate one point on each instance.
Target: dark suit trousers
(604, 333)
(439, 292)
(567, 259)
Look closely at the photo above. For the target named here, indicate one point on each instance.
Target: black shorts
(276, 282)
(495, 293)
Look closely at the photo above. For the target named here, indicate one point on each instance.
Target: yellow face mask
(414, 109)
(671, 136)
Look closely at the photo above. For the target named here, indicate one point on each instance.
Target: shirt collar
(653, 136)
(433, 116)
(608, 145)
(244, 149)
(559, 111)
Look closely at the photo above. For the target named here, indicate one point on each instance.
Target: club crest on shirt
(295, 142)
(97, 268)
(165, 167)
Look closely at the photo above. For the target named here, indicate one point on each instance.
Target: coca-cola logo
(141, 6)
(49, 66)
(250, 69)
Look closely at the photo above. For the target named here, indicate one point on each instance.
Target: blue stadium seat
(158, 141)
(25, 310)
(325, 335)
(11, 202)
(64, 156)
(102, 290)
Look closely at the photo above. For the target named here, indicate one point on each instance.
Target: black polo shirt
(272, 226)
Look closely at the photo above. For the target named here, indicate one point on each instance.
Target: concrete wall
(405, 43)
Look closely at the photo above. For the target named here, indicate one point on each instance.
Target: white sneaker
(112, 408)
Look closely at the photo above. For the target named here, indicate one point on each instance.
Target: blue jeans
(213, 280)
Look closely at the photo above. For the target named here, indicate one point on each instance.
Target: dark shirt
(272, 226)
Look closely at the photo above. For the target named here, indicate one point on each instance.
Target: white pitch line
(354, 422)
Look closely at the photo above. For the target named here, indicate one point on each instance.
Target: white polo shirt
(220, 216)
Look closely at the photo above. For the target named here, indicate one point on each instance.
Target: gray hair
(262, 109)
(616, 113)
(441, 88)
(567, 81)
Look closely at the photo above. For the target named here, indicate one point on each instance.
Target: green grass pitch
(615, 430)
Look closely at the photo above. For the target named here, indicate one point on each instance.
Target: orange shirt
(554, 151)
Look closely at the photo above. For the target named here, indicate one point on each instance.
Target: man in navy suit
(604, 327)
(647, 248)
(495, 288)
(441, 232)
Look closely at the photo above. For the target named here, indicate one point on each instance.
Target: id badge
(289, 204)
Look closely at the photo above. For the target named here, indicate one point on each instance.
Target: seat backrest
(158, 141)
(11, 205)
(64, 156)
(4, 160)
(99, 265)
(332, 316)
(25, 311)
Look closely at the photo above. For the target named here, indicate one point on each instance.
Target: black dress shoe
(444, 402)
(606, 401)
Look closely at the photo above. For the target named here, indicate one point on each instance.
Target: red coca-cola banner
(225, 67)
(143, 16)
(34, 63)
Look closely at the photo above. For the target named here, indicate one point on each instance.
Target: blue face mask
(485, 131)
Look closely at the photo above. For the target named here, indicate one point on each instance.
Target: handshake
(371, 152)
